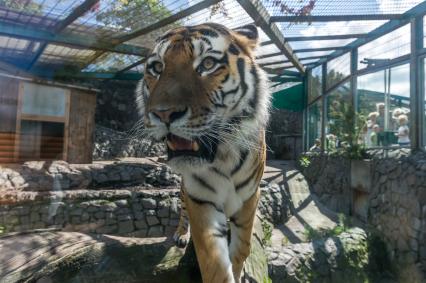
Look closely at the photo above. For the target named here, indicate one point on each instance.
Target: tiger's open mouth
(199, 147)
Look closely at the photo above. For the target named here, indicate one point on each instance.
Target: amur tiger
(203, 94)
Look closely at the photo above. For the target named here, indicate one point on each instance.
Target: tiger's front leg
(181, 235)
(209, 234)
(241, 232)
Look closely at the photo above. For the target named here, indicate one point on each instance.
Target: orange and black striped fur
(206, 97)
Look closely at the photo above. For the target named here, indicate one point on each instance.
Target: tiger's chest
(223, 185)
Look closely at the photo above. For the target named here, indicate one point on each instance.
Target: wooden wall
(81, 126)
(8, 104)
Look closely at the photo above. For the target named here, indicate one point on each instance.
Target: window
(338, 69)
(314, 126)
(383, 106)
(43, 100)
(339, 122)
(315, 83)
(386, 47)
(424, 105)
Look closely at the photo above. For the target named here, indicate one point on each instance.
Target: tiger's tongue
(180, 143)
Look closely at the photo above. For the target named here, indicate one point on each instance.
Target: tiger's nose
(169, 115)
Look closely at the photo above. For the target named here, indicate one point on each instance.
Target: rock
(149, 203)
(155, 231)
(121, 203)
(152, 220)
(141, 224)
(116, 259)
(125, 227)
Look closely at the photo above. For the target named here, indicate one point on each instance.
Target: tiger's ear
(249, 35)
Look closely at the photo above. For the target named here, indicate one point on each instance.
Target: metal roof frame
(335, 18)
(260, 15)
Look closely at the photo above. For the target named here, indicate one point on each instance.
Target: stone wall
(139, 196)
(396, 199)
(116, 105)
(343, 258)
(105, 197)
(110, 144)
(39, 176)
(152, 213)
(275, 203)
(328, 177)
(284, 134)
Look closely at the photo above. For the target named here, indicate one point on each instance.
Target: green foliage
(284, 241)
(2, 229)
(347, 126)
(333, 78)
(267, 232)
(29, 6)
(122, 13)
(343, 226)
(304, 161)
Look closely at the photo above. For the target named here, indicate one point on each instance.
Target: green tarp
(291, 98)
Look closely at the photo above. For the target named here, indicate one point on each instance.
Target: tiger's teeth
(171, 145)
(195, 146)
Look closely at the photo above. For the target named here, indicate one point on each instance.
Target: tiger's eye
(208, 63)
(157, 67)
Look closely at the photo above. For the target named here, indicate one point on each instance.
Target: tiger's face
(200, 84)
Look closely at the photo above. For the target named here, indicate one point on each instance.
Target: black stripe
(225, 79)
(166, 36)
(215, 52)
(222, 231)
(255, 99)
(201, 202)
(244, 224)
(220, 173)
(233, 220)
(204, 31)
(203, 183)
(246, 181)
(233, 49)
(207, 41)
(218, 27)
(218, 105)
(241, 70)
(201, 49)
(232, 91)
(243, 157)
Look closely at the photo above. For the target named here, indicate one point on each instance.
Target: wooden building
(42, 120)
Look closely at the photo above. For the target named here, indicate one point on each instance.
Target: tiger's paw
(181, 239)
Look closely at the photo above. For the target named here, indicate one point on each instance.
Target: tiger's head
(202, 90)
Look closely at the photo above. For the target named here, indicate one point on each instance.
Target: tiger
(206, 97)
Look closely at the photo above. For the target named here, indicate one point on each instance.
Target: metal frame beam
(261, 17)
(416, 85)
(132, 66)
(277, 71)
(285, 80)
(391, 25)
(288, 61)
(289, 73)
(265, 43)
(75, 14)
(304, 50)
(269, 55)
(335, 18)
(326, 37)
(52, 74)
(69, 40)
